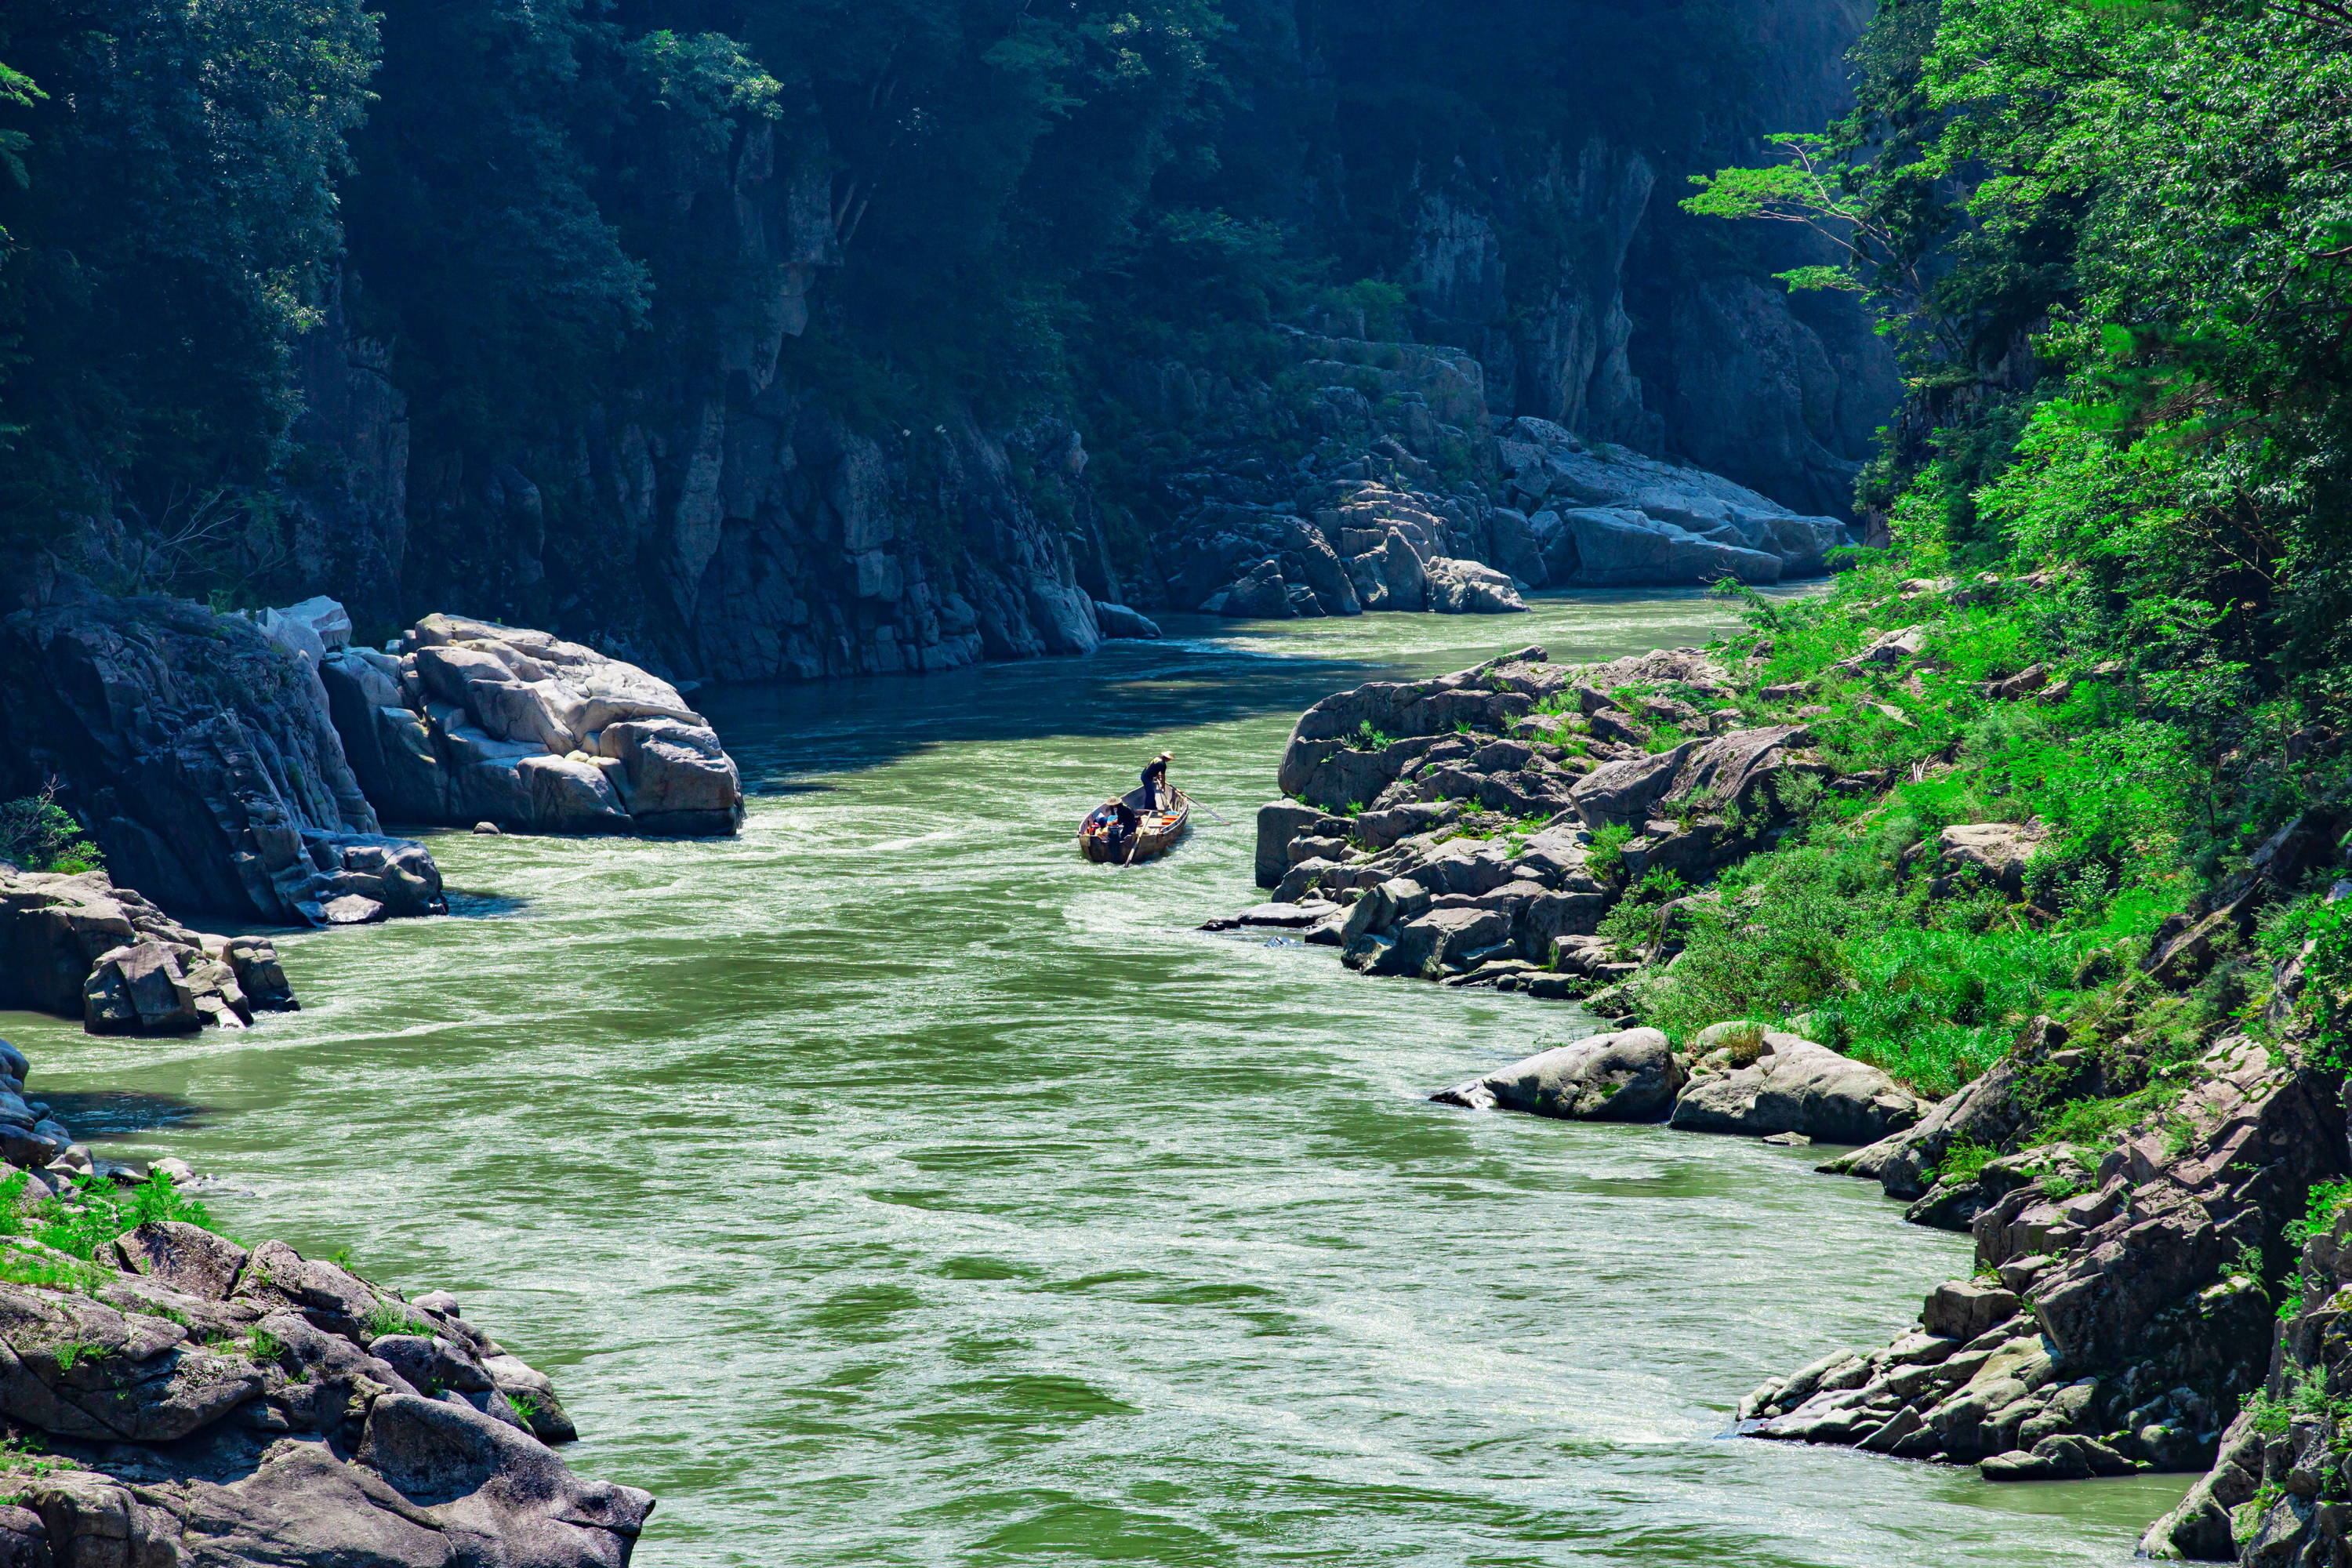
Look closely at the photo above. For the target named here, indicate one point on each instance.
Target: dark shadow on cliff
(778, 732)
(1202, 675)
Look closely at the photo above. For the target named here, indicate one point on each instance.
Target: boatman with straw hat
(1155, 781)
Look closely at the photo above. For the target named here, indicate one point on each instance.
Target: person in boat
(1116, 822)
(1155, 782)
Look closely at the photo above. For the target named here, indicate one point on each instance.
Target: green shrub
(1963, 1160)
(37, 833)
(1605, 854)
(96, 1211)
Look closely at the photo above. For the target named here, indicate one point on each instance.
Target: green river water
(889, 1186)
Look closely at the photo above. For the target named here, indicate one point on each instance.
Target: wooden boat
(1156, 831)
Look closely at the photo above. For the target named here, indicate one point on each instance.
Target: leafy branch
(1812, 189)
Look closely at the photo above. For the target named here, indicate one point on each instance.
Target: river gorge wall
(773, 476)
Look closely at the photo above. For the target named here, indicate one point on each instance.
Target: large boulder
(1742, 774)
(1604, 515)
(1994, 854)
(1455, 587)
(1791, 1085)
(1617, 547)
(1258, 594)
(475, 722)
(1118, 621)
(1632, 1075)
(199, 752)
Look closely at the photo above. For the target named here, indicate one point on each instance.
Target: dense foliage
(544, 212)
(167, 189)
(2115, 242)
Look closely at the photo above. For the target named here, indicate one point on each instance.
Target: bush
(37, 833)
(95, 1211)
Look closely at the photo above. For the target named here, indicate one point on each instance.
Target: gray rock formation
(477, 723)
(2269, 1502)
(1606, 516)
(1631, 1075)
(1452, 825)
(198, 753)
(1783, 1083)
(79, 947)
(1118, 621)
(1379, 525)
(2119, 1316)
(232, 1408)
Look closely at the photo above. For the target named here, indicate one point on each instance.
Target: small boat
(1156, 831)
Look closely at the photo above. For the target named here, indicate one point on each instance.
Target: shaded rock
(1118, 621)
(2199, 1528)
(200, 754)
(1259, 593)
(1617, 547)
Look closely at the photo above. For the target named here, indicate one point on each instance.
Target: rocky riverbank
(2155, 1171)
(199, 756)
(79, 947)
(1412, 497)
(168, 1395)
(1478, 827)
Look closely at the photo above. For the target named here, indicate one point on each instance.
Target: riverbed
(886, 1185)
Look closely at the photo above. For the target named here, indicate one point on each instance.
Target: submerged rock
(475, 722)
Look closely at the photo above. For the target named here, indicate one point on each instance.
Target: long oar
(1213, 815)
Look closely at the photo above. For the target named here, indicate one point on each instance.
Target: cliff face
(713, 517)
(746, 489)
(1595, 303)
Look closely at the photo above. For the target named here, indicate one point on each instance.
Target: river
(887, 1187)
